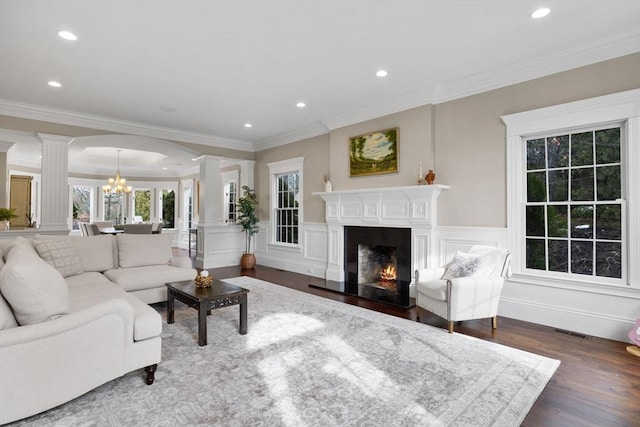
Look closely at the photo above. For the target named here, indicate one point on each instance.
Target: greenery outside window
(168, 203)
(142, 204)
(81, 205)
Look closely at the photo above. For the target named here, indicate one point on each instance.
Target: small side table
(220, 294)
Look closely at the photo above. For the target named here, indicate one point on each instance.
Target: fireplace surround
(413, 208)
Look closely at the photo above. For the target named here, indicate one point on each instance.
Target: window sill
(285, 247)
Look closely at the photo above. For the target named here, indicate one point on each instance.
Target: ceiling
(197, 71)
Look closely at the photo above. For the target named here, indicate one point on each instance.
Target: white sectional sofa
(74, 314)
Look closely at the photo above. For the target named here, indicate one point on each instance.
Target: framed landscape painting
(374, 153)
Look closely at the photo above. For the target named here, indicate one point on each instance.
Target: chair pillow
(34, 289)
(462, 265)
(61, 255)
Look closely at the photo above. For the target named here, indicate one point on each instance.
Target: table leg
(202, 323)
(170, 306)
(243, 314)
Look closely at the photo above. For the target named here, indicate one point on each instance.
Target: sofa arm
(68, 323)
(182, 262)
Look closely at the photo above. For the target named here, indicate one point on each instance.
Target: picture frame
(374, 153)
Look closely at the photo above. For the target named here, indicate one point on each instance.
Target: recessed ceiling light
(381, 73)
(301, 105)
(53, 83)
(68, 35)
(248, 125)
(164, 168)
(195, 159)
(540, 13)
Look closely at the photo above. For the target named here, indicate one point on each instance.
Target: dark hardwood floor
(597, 383)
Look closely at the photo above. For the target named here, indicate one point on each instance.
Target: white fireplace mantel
(391, 206)
(412, 207)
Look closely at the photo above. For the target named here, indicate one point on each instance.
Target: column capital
(47, 137)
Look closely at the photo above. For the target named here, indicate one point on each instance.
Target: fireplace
(378, 263)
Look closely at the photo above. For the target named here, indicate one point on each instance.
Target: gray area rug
(310, 361)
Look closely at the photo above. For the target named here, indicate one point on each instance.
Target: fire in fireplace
(378, 263)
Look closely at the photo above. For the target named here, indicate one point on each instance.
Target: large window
(286, 200)
(574, 203)
(286, 210)
(188, 207)
(168, 203)
(113, 206)
(572, 180)
(141, 205)
(230, 200)
(81, 205)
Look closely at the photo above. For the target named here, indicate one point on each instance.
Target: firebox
(378, 263)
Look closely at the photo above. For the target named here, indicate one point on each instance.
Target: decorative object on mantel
(248, 220)
(421, 176)
(7, 215)
(634, 334)
(204, 280)
(327, 184)
(374, 153)
(430, 177)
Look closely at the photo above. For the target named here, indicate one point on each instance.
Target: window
(188, 207)
(573, 209)
(286, 210)
(230, 200)
(168, 203)
(142, 205)
(81, 205)
(286, 197)
(112, 207)
(572, 180)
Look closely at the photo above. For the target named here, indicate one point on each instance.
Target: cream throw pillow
(61, 255)
(139, 250)
(34, 289)
(462, 265)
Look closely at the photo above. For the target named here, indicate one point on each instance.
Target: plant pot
(247, 261)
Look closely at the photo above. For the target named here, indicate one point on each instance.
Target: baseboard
(584, 322)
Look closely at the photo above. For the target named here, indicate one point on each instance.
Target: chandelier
(117, 185)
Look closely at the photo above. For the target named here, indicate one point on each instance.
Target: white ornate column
(55, 171)
(211, 211)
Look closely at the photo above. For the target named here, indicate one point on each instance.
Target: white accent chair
(464, 298)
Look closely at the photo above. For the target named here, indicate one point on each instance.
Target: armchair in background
(469, 287)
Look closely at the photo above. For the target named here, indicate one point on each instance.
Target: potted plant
(248, 220)
(7, 215)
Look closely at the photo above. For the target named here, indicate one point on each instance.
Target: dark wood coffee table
(220, 294)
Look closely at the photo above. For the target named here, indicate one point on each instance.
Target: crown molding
(72, 118)
(293, 136)
(615, 46)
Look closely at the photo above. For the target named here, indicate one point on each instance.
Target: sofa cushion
(61, 255)
(138, 250)
(139, 278)
(462, 265)
(96, 252)
(7, 319)
(35, 290)
(19, 241)
(147, 322)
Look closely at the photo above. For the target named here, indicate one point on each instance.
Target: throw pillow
(7, 319)
(462, 265)
(35, 290)
(61, 255)
(96, 252)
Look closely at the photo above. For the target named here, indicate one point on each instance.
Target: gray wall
(463, 140)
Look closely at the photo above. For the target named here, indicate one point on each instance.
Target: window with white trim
(573, 208)
(572, 199)
(286, 200)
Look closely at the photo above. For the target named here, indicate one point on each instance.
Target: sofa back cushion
(96, 252)
(34, 289)
(61, 255)
(139, 250)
